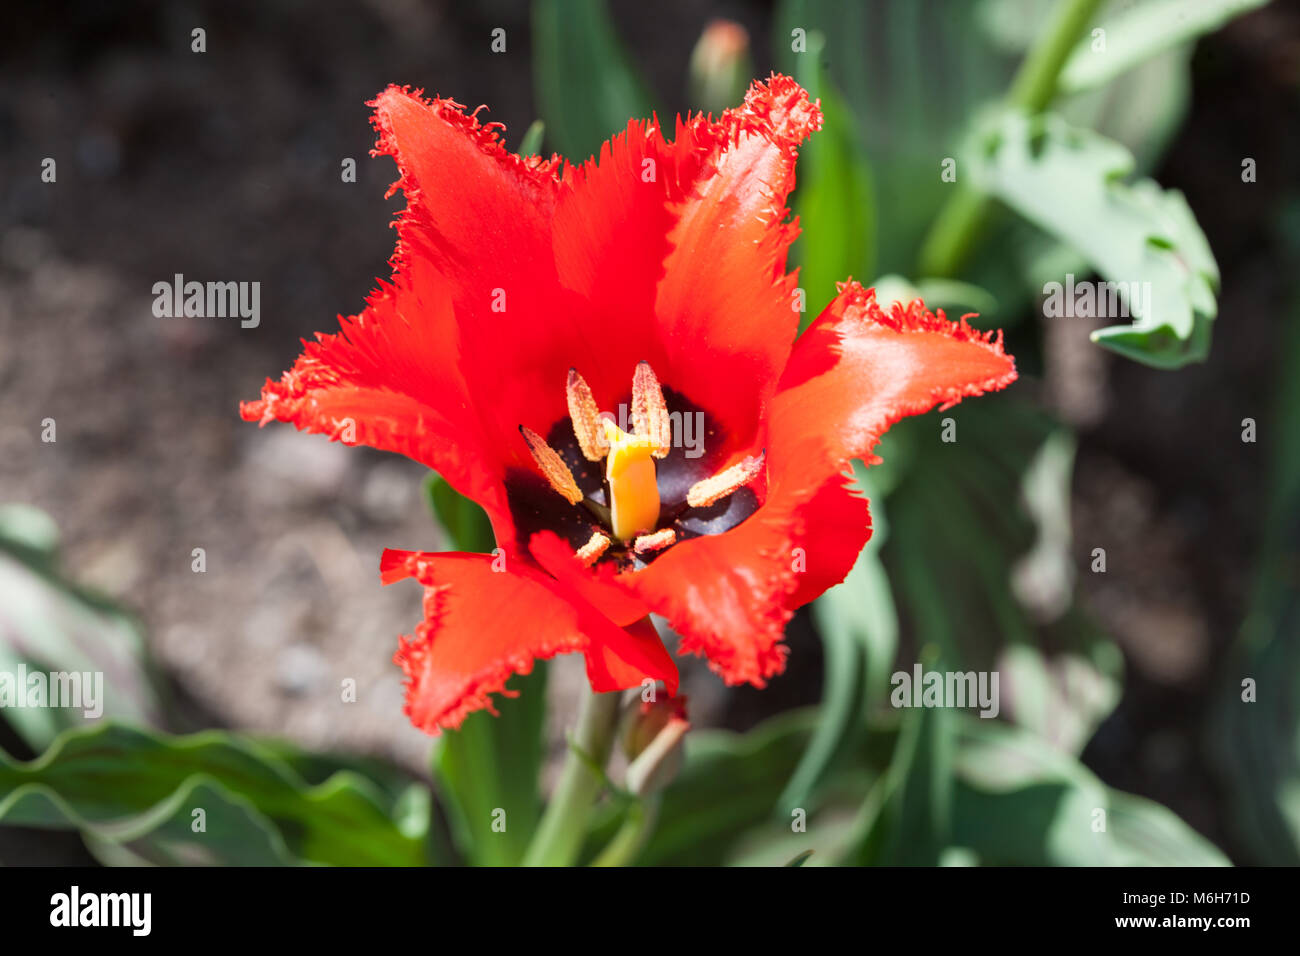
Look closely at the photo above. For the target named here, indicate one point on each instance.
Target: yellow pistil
(706, 492)
(633, 489)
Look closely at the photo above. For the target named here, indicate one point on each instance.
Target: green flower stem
(960, 223)
(632, 835)
(563, 827)
(954, 234)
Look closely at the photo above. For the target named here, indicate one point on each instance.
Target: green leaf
(390, 783)
(1068, 182)
(859, 631)
(1256, 742)
(834, 199)
(1065, 696)
(1138, 90)
(1146, 834)
(842, 695)
(1045, 489)
(951, 295)
(1141, 109)
(234, 832)
(1018, 801)
(1255, 737)
(956, 297)
(961, 545)
(30, 535)
(1138, 32)
(488, 773)
(48, 624)
(466, 524)
(832, 829)
(587, 88)
(531, 144)
(138, 791)
(906, 819)
(1062, 699)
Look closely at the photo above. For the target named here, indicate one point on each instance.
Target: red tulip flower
(605, 357)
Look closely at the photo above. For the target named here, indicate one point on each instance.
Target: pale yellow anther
(633, 488)
(596, 545)
(649, 413)
(585, 417)
(648, 543)
(552, 466)
(710, 490)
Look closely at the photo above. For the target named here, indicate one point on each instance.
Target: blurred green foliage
(48, 624)
(586, 86)
(212, 799)
(1069, 183)
(1255, 730)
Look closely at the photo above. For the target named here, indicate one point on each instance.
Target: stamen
(647, 543)
(590, 552)
(552, 465)
(585, 417)
(633, 487)
(649, 413)
(706, 492)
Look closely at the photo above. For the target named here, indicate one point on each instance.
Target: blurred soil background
(226, 166)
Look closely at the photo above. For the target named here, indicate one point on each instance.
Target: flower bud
(652, 739)
(720, 67)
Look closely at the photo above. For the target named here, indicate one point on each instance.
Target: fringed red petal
(860, 368)
(482, 217)
(480, 627)
(485, 620)
(470, 202)
(389, 379)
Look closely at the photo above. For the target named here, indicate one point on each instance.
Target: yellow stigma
(633, 490)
